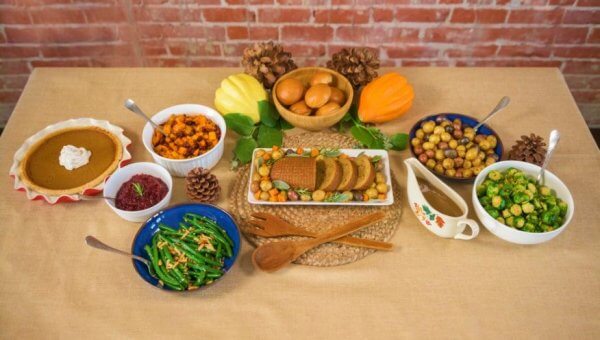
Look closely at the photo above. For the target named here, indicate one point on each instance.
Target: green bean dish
(516, 200)
(191, 256)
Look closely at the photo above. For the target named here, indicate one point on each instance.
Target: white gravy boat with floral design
(438, 223)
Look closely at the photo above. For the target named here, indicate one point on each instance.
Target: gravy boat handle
(467, 222)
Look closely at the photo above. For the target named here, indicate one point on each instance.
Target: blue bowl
(171, 217)
(466, 122)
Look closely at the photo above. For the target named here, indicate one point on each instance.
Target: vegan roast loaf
(298, 172)
(328, 174)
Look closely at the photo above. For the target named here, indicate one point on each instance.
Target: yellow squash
(240, 93)
(385, 98)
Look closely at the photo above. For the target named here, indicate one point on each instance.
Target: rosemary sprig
(139, 189)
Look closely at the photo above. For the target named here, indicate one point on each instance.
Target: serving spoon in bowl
(132, 106)
(501, 105)
(552, 142)
(96, 243)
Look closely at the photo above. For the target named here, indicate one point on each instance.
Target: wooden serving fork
(269, 225)
(273, 256)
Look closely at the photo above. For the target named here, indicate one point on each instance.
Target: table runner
(52, 285)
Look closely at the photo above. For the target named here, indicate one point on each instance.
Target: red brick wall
(555, 33)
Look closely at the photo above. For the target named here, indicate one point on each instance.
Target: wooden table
(52, 285)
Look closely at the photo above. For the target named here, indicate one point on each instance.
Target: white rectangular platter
(351, 153)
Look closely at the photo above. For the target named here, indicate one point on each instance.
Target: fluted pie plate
(36, 167)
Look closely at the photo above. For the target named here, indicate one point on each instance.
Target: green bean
(218, 237)
(191, 252)
(163, 274)
(167, 257)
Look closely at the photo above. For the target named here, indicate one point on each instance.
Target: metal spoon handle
(96, 243)
(501, 105)
(552, 142)
(132, 106)
(96, 197)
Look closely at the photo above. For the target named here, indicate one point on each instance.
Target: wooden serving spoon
(273, 256)
(269, 225)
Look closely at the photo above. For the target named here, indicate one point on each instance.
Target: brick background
(550, 33)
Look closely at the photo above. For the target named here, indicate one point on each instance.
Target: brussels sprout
(506, 213)
(493, 212)
(492, 190)
(519, 222)
(495, 175)
(531, 187)
(498, 202)
(545, 191)
(515, 209)
(510, 221)
(481, 190)
(500, 219)
(485, 200)
(520, 197)
(548, 217)
(527, 208)
(528, 226)
(563, 207)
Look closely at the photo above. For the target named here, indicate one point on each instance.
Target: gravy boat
(438, 223)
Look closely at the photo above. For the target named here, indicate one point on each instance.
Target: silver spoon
(552, 142)
(96, 197)
(132, 106)
(501, 104)
(96, 243)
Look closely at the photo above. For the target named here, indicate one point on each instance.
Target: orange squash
(385, 98)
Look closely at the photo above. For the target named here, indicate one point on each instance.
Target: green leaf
(375, 159)
(139, 189)
(244, 148)
(241, 124)
(339, 197)
(268, 136)
(268, 114)
(328, 152)
(281, 185)
(381, 141)
(399, 141)
(285, 125)
(362, 135)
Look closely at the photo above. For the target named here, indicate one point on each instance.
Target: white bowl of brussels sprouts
(510, 204)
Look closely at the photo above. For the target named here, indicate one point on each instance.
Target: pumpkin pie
(41, 171)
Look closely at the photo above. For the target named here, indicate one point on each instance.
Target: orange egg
(300, 108)
(289, 91)
(317, 95)
(327, 109)
(337, 96)
(321, 77)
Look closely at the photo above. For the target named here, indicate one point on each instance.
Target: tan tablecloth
(52, 285)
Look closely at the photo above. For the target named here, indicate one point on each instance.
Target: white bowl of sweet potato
(196, 135)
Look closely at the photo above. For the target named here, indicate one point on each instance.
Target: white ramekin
(122, 175)
(180, 167)
(512, 234)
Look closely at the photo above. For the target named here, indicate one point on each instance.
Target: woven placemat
(318, 218)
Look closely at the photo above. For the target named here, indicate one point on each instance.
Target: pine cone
(359, 65)
(267, 62)
(529, 149)
(202, 186)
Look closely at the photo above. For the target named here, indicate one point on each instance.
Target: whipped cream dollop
(72, 157)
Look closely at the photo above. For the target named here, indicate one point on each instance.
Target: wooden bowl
(315, 123)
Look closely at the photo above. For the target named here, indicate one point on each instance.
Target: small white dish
(438, 223)
(512, 234)
(350, 152)
(181, 167)
(122, 175)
